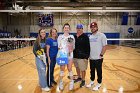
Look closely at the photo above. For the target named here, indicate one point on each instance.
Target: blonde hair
(50, 33)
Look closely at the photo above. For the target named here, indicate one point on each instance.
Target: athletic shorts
(82, 64)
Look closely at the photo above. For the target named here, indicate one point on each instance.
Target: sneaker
(82, 83)
(77, 80)
(97, 87)
(53, 82)
(90, 84)
(71, 86)
(61, 85)
(46, 89)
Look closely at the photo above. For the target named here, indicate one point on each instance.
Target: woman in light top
(66, 43)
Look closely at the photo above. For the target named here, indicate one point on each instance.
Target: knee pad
(61, 73)
(70, 73)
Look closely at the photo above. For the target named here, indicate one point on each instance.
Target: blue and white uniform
(63, 44)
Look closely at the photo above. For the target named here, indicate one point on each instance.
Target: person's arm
(59, 41)
(73, 42)
(103, 50)
(104, 43)
(35, 49)
(48, 43)
(87, 50)
(48, 49)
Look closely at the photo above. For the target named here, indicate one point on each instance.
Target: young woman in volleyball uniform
(66, 43)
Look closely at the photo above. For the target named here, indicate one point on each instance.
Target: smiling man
(98, 42)
(81, 54)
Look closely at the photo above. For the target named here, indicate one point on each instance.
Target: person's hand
(71, 50)
(49, 60)
(41, 57)
(86, 60)
(70, 47)
(38, 56)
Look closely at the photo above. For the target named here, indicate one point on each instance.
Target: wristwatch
(101, 55)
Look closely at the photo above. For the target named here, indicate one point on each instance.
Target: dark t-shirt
(82, 47)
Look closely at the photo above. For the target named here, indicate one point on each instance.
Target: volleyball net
(15, 43)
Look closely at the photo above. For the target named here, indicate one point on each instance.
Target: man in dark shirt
(81, 54)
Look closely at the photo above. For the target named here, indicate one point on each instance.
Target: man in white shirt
(98, 43)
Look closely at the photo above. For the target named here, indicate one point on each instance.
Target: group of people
(84, 48)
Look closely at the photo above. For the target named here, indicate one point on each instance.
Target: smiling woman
(52, 49)
(41, 58)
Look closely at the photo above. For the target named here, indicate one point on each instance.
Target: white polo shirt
(97, 42)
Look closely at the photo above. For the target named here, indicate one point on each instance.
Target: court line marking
(120, 49)
(18, 58)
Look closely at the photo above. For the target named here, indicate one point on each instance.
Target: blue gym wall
(108, 35)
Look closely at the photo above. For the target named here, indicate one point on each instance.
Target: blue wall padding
(124, 19)
(138, 19)
(108, 35)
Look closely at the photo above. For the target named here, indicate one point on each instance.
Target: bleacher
(6, 45)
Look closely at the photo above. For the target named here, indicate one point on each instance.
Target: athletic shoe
(82, 83)
(71, 86)
(46, 89)
(97, 87)
(90, 84)
(77, 80)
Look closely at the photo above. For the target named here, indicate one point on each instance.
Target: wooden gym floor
(121, 68)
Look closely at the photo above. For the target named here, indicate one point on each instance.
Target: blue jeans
(41, 68)
(52, 66)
